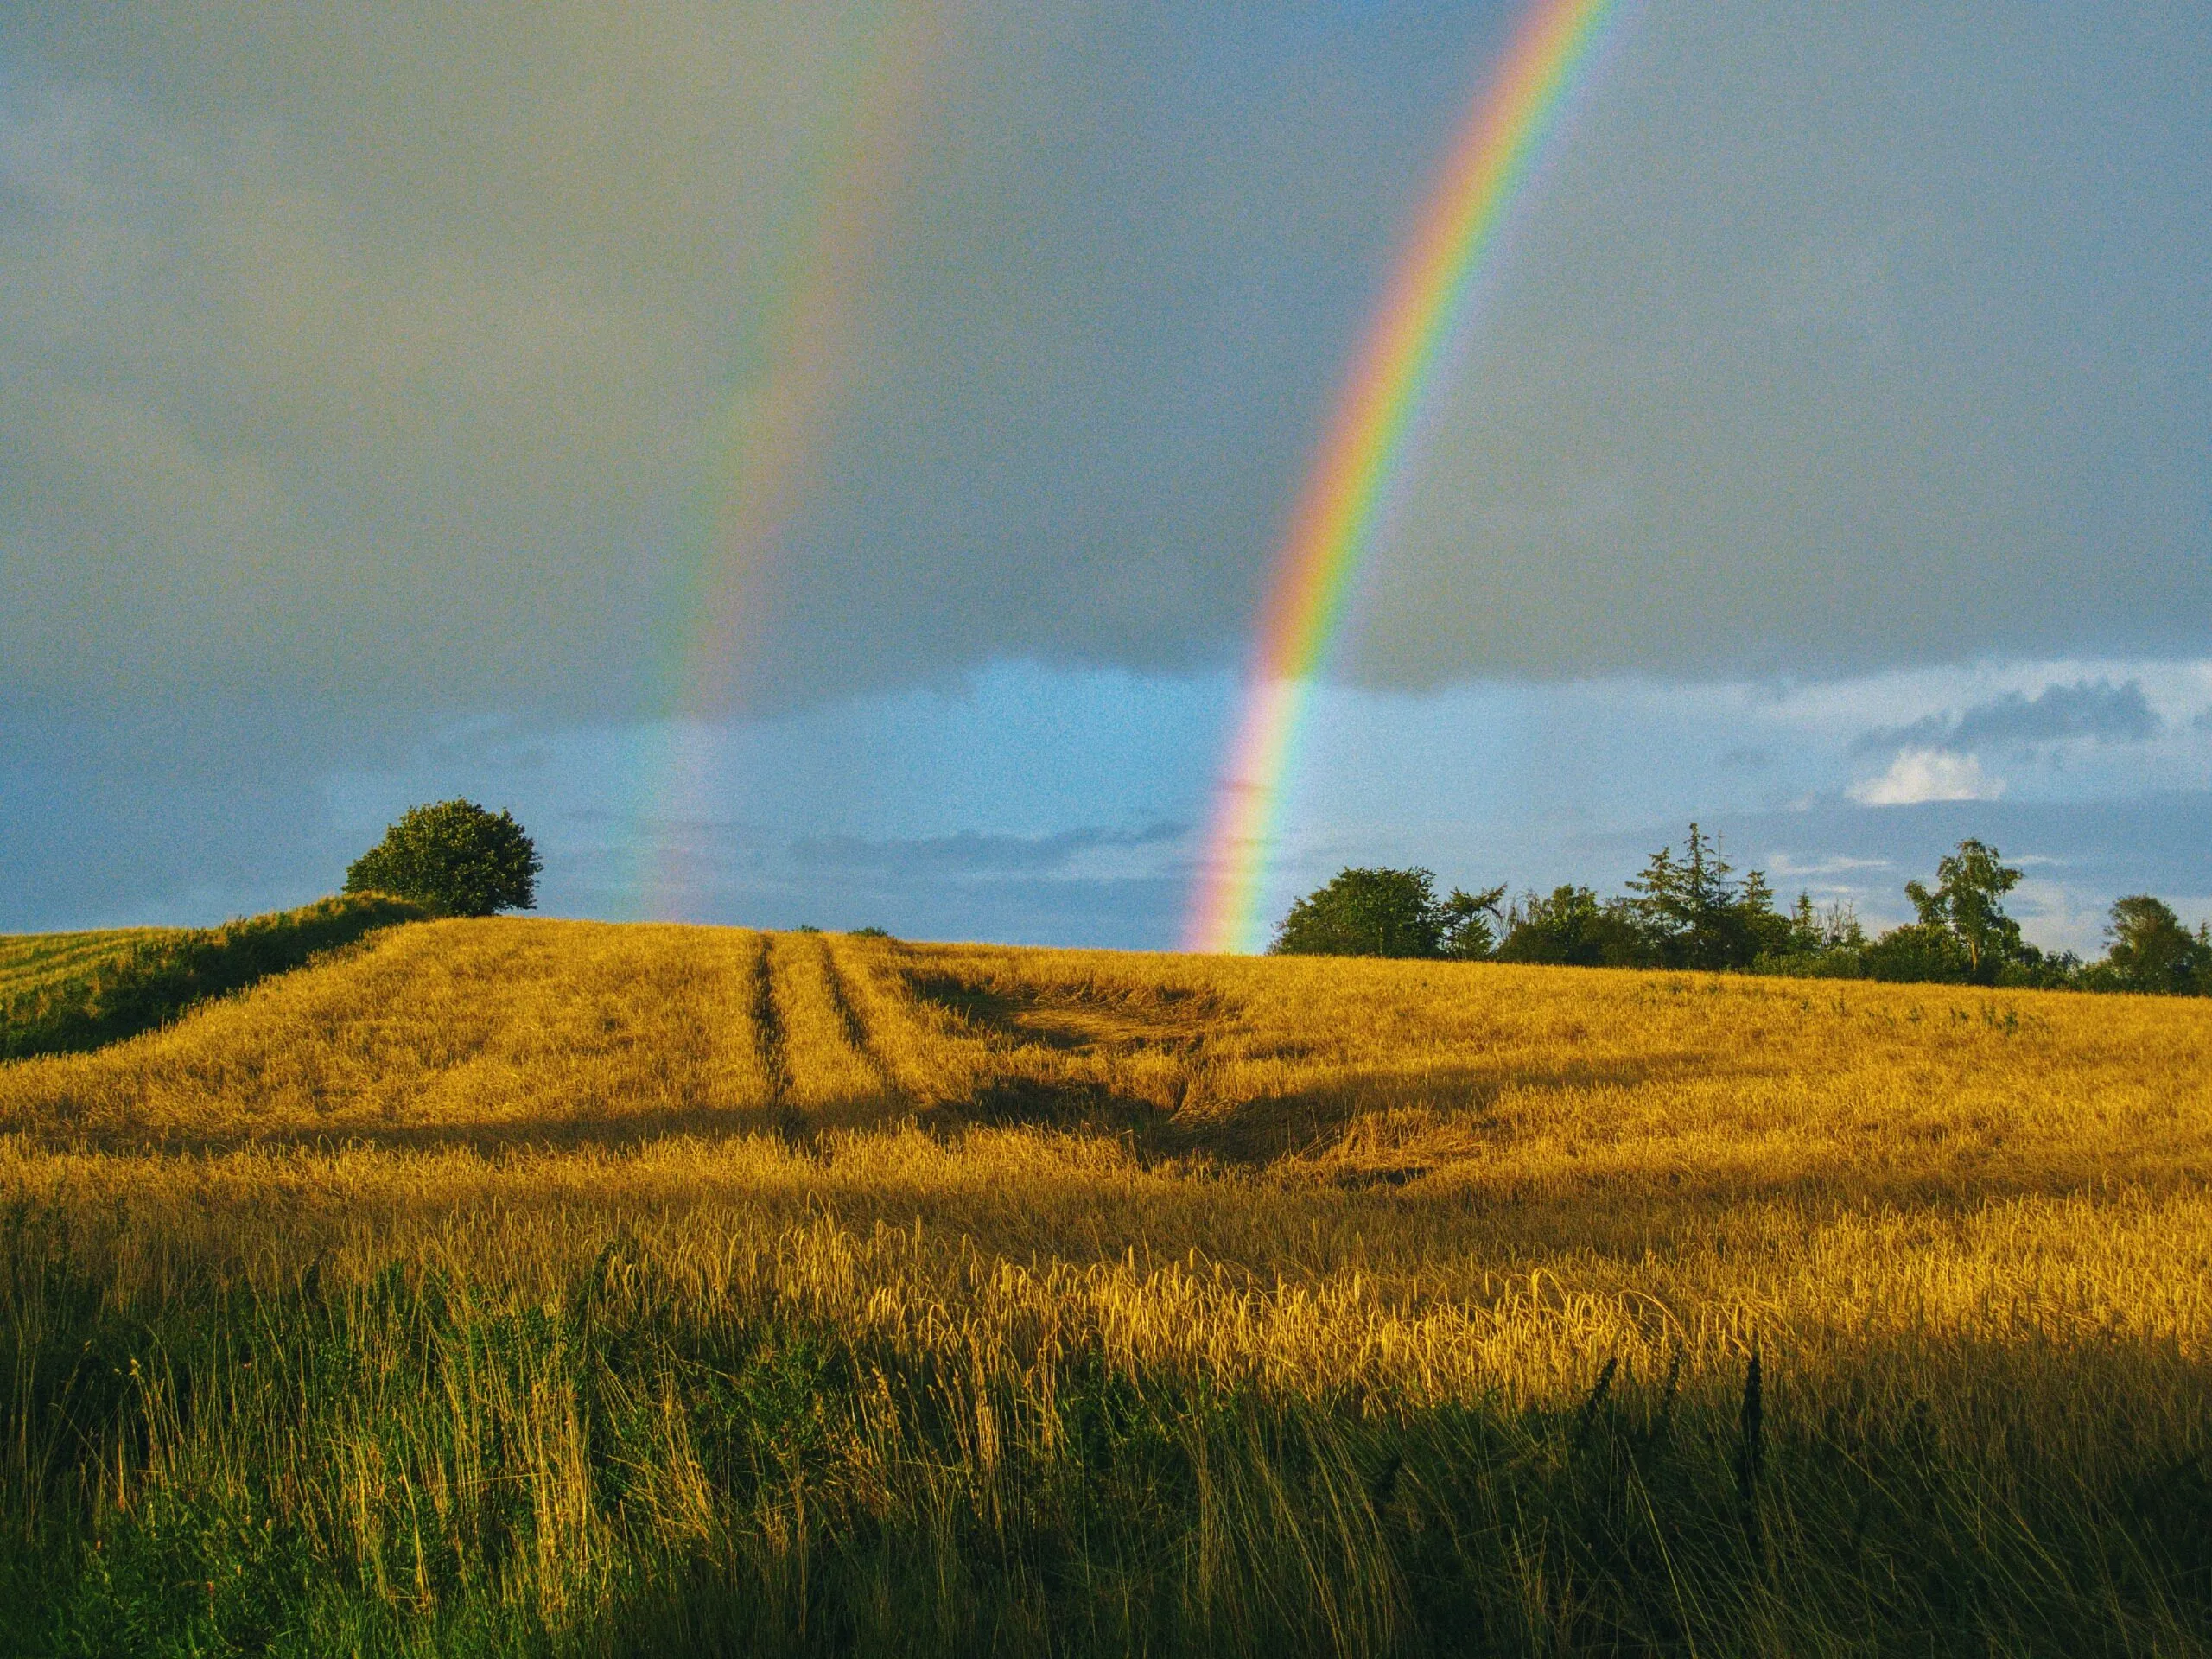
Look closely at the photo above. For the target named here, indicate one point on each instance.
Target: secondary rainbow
(1335, 525)
(768, 437)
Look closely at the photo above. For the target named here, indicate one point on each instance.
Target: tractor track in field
(768, 1035)
(855, 1029)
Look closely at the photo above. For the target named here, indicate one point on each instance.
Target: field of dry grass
(522, 1285)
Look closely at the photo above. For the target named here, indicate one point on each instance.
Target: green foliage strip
(423, 1462)
(149, 978)
(1694, 911)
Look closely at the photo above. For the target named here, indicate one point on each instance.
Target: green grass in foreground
(64, 993)
(416, 1463)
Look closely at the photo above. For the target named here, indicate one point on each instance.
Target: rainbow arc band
(772, 429)
(1334, 528)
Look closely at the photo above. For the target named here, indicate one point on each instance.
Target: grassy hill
(31, 962)
(522, 1285)
(62, 993)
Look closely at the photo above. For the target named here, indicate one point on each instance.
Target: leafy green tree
(1919, 952)
(1386, 912)
(1365, 912)
(453, 858)
(1469, 921)
(2152, 951)
(1573, 928)
(1968, 903)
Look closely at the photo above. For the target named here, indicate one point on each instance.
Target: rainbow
(764, 447)
(1367, 445)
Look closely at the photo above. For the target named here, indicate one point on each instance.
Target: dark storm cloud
(386, 356)
(379, 357)
(1840, 336)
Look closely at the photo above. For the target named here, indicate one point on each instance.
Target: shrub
(1919, 952)
(1573, 928)
(455, 859)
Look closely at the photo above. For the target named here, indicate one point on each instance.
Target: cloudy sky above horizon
(1828, 457)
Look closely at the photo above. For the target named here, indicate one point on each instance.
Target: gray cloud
(386, 356)
(368, 358)
(2097, 709)
(391, 359)
(971, 854)
(2087, 708)
(1841, 335)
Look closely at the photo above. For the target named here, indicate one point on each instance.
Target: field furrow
(828, 1078)
(930, 1057)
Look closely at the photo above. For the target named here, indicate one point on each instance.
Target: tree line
(1693, 909)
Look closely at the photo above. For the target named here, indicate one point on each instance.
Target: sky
(825, 463)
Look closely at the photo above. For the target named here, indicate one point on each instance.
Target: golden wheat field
(1143, 1302)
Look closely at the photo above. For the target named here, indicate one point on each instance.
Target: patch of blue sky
(1063, 805)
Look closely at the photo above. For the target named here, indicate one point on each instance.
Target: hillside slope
(33, 962)
(1519, 1079)
(528, 1286)
(64, 993)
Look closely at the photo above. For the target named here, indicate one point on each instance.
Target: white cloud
(1919, 775)
(1783, 867)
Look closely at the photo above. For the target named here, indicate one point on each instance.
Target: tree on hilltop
(1364, 912)
(454, 858)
